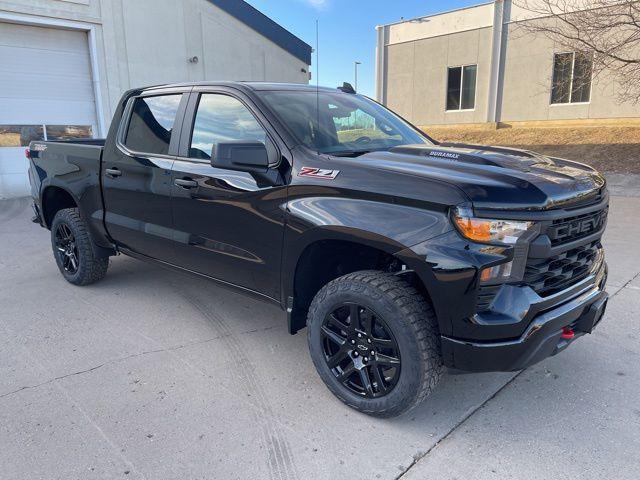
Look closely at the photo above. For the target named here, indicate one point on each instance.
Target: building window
(461, 87)
(68, 132)
(20, 135)
(222, 118)
(151, 124)
(571, 77)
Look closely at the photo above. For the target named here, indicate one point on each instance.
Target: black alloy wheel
(67, 250)
(360, 350)
(375, 342)
(74, 250)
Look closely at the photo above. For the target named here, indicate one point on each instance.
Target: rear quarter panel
(74, 168)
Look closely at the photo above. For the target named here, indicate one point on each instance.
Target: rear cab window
(151, 123)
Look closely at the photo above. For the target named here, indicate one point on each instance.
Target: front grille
(550, 275)
(573, 228)
(553, 274)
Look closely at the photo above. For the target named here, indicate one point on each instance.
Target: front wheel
(73, 249)
(374, 341)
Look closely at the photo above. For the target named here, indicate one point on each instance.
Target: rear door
(228, 224)
(136, 174)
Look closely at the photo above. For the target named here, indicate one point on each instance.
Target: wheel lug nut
(353, 342)
(366, 359)
(369, 340)
(355, 354)
(359, 335)
(373, 352)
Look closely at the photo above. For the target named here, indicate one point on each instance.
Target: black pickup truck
(401, 255)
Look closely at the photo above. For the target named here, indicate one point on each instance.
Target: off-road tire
(91, 268)
(413, 323)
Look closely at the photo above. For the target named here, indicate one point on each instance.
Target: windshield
(339, 123)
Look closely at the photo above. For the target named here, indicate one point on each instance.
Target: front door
(136, 174)
(228, 224)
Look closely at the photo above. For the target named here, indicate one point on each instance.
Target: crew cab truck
(400, 255)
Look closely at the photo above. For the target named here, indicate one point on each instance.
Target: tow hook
(567, 333)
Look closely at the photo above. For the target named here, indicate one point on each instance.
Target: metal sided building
(65, 63)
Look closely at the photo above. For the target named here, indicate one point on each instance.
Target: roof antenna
(317, 139)
(347, 88)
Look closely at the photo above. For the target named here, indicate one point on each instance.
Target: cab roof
(253, 86)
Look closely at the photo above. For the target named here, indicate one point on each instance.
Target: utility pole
(356, 63)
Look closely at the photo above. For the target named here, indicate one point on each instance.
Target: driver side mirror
(245, 156)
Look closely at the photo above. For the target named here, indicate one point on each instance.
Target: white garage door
(46, 92)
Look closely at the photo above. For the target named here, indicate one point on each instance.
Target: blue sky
(347, 30)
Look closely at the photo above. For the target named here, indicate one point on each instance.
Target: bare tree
(606, 30)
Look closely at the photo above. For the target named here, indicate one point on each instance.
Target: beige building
(478, 64)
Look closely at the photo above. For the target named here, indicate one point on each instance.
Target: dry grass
(612, 149)
(9, 139)
(356, 133)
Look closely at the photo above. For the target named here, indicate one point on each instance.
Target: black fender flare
(102, 245)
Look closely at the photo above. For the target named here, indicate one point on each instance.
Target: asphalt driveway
(160, 375)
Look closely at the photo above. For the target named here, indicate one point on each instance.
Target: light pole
(356, 63)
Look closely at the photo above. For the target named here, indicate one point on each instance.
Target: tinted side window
(151, 124)
(222, 118)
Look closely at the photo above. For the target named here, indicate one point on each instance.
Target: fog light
(499, 272)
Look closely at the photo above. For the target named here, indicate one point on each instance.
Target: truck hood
(496, 177)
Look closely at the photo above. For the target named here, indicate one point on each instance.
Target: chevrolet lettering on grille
(576, 228)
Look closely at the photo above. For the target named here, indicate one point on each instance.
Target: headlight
(489, 231)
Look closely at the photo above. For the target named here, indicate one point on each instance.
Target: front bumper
(579, 308)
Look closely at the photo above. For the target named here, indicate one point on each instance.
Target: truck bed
(80, 141)
(69, 159)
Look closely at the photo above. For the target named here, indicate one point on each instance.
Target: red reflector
(27, 153)
(567, 333)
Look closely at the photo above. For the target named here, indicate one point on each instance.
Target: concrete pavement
(160, 375)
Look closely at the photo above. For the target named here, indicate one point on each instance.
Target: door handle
(185, 183)
(112, 172)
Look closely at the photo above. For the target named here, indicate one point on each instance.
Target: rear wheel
(375, 343)
(73, 249)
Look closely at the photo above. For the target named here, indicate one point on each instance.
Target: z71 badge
(318, 173)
